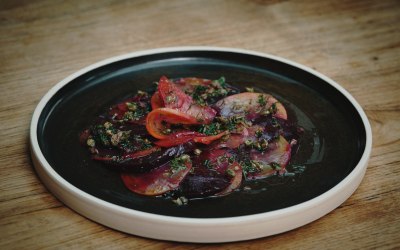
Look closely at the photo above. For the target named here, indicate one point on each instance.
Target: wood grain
(356, 43)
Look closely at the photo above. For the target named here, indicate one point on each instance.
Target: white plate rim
(196, 229)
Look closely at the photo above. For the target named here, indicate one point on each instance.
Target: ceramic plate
(333, 151)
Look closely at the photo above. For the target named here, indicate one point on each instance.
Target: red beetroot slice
(248, 104)
(156, 101)
(144, 163)
(186, 136)
(236, 139)
(203, 114)
(189, 84)
(177, 138)
(236, 180)
(210, 175)
(223, 161)
(173, 97)
(132, 156)
(156, 182)
(118, 111)
(209, 139)
(128, 161)
(278, 152)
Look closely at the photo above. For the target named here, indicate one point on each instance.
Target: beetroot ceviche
(193, 138)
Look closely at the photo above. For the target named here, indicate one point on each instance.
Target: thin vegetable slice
(173, 97)
(234, 169)
(131, 161)
(215, 172)
(158, 121)
(250, 105)
(209, 139)
(131, 110)
(177, 138)
(274, 160)
(186, 136)
(224, 162)
(236, 139)
(160, 180)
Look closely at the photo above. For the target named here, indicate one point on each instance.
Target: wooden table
(356, 43)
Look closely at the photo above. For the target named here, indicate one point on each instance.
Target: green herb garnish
(275, 166)
(198, 94)
(249, 166)
(210, 129)
(222, 82)
(207, 163)
(261, 100)
(179, 163)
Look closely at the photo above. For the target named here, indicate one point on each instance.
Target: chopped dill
(261, 100)
(248, 166)
(179, 163)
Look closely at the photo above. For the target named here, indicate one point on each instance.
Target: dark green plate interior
(330, 148)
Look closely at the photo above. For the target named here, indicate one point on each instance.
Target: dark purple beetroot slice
(271, 161)
(210, 174)
(125, 138)
(145, 162)
(215, 159)
(224, 162)
(234, 170)
(159, 180)
(290, 130)
(204, 183)
(111, 156)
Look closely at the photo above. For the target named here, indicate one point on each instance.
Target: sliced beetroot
(215, 172)
(178, 138)
(159, 180)
(250, 105)
(145, 162)
(160, 119)
(178, 118)
(174, 98)
(236, 139)
(131, 110)
(234, 170)
(224, 162)
(215, 159)
(209, 139)
(203, 183)
(203, 114)
(189, 84)
(125, 161)
(156, 101)
(271, 161)
(186, 136)
(120, 138)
